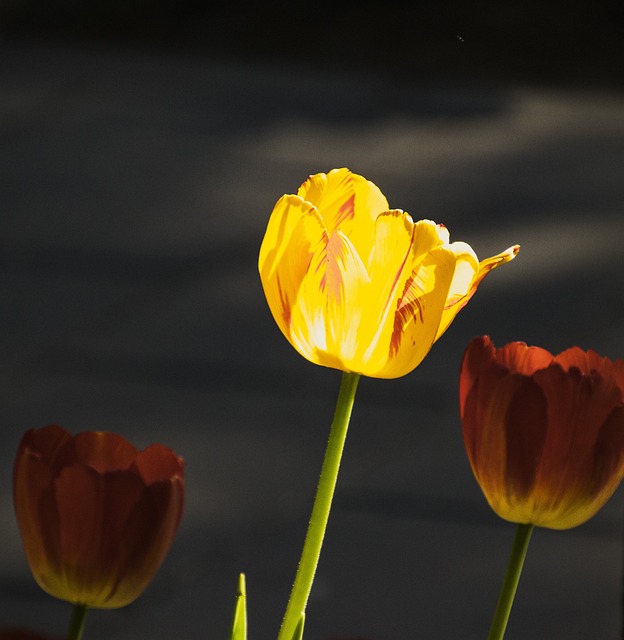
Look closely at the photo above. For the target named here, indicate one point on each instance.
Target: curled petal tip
(508, 254)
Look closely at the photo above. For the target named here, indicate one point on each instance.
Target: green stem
(322, 505)
(77, 622)
(510, 583)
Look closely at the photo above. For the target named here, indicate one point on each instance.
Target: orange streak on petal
(332, 195)
(346, 211)
(329, 268)
(409, 308)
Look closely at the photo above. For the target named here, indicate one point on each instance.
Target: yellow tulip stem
(320, 511)
(510, 582)
(77, 622)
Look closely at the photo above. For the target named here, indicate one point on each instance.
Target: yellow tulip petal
(468, 276)
(418, 313)
(340, 196)
(314, 188)
(369, 204)
(326, 315)
(293, 235)
(427, 236)
(402, 282)
(390, 264)
(348, 202)
(286, 215)
(410, 273)
(333, 195)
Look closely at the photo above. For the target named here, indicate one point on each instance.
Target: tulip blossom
(96, 516)
(360, 287)
(544, 434)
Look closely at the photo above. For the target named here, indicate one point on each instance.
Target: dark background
(557, 41)
(142, 148)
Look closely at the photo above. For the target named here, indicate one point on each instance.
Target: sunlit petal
(284, 267)
(357, 286)
(326, 315)
(391, 263)
(467, 278)
(418, 312)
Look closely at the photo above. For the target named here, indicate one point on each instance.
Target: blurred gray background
(142, 148)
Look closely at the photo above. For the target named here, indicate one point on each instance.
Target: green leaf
(298, 635)
(239, 622)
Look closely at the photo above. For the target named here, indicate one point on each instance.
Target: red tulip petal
(578, 408)
(47, 443)
(526, 429)
(158, 463)
(147, 536)
(618, 374)
(104, 451)
(477, 357)
(93, 511)
(486, 409)
(519, 357)
(599, 478)
(35, 511)
(608, 456)
(591, 361)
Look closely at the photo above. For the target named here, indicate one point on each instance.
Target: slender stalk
(510, 583)
(77, 622)
(322, 505)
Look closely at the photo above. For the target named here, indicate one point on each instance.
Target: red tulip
(544, 434)
(97, 517)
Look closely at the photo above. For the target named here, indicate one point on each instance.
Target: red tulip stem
(77, 622)
(320, 511)
(510, 582)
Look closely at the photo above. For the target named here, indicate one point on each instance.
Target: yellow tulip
(360, 287)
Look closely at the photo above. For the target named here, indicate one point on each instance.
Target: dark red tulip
(544, 434)
(97, 517)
